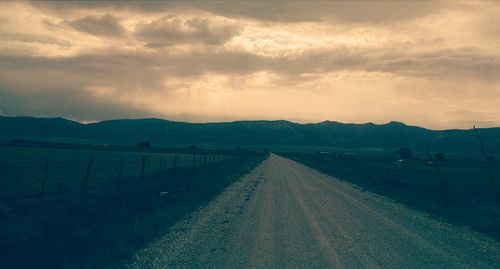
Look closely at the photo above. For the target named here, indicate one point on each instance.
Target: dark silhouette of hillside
(248, 133)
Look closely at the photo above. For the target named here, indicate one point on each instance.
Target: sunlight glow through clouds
(425, 63)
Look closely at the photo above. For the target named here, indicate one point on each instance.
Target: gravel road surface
(286, 215)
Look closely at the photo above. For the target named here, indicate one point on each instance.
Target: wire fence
(38, 174)
(450, 180)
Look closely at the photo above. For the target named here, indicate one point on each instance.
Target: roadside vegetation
(91, 207)
(457, 189)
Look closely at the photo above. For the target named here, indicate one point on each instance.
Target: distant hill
(248, 133)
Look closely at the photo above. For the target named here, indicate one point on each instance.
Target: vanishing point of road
(286, 215)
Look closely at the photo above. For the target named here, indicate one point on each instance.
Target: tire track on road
(285, 215)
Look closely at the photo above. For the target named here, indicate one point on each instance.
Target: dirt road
(285, 215)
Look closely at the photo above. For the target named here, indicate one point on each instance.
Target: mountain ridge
(248, 133)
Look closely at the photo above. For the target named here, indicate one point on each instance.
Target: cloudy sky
(434, 64)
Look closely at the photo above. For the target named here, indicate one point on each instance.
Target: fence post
(174, 165)
(165, 164)
(490, 173)
(85, 182)
(194, 160)
(438, 172)
(16, 185)
(44, 181)
(143, 163)
(204, 159)
(160, 168)
(120, 170)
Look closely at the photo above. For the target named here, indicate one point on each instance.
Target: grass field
(111, 220)
(23, 169)
(466, 195)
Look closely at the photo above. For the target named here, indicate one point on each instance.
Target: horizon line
(86, 122)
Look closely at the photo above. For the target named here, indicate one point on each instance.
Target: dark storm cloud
(124, 72)
(63, 7)
(106, 25)
(272, 11)
(299, 11)
(461, 63)
(442, 64)
(147, 72)
(62, 86)
(171, 30)
(72, 104)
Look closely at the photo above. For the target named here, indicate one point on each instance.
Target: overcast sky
(434, 64)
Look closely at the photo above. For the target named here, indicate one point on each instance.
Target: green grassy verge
(109, 224)
(465, 197)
